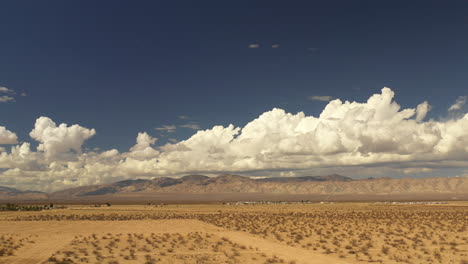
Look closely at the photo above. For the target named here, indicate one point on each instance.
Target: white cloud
(60, 139)
(20, 157)
(7, 137)
(416, 170)
(422, 110)
(6, 90)
(142, 149)
(6, 98)
(192, 125)
(183, 117)
(459, 103)
(254, 46)
(288, 174)
(369, 138)
(167, 128)
(109, 153)
(275, 46)
(345, 134)
(143, 141)
(323, 98)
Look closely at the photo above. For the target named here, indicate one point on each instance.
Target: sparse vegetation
(15, 207)
(359, 233)
(384, 234)
(194, 247)
(10, 243)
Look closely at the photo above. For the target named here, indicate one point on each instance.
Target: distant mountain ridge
(7, 192)
(333, 177)
(229, 183)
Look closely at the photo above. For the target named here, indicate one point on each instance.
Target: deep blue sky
(127, 66)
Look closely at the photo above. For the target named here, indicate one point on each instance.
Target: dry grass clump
(125, 216)
(385, 234)
(10, 243)
(193, 247)
(356, 232)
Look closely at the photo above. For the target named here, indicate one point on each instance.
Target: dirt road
(56, 235)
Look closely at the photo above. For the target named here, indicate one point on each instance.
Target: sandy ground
(56, 235)
(231, 234)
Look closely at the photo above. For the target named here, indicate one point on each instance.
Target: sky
(97, 91)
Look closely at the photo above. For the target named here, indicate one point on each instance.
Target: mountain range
(236, 187)
(12, 193)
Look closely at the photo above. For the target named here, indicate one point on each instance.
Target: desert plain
(238, 233)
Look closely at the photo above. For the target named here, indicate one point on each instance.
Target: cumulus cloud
(109, 153)
(55, 140)
(422, 110)
(459, 103)
(20, 158)
(142, 149)
(167, 128)
(7, 137)
(254, 46)
(371, 138)
(323, 98)
(344, 134)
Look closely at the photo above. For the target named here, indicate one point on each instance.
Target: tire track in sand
(300, 255)
(40, 251)
(47, 242)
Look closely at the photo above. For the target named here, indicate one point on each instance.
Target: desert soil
(53, 236)
(216, 233)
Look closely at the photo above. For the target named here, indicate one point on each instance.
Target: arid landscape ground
(238, 233)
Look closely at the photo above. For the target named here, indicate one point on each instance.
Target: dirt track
(56, 235)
